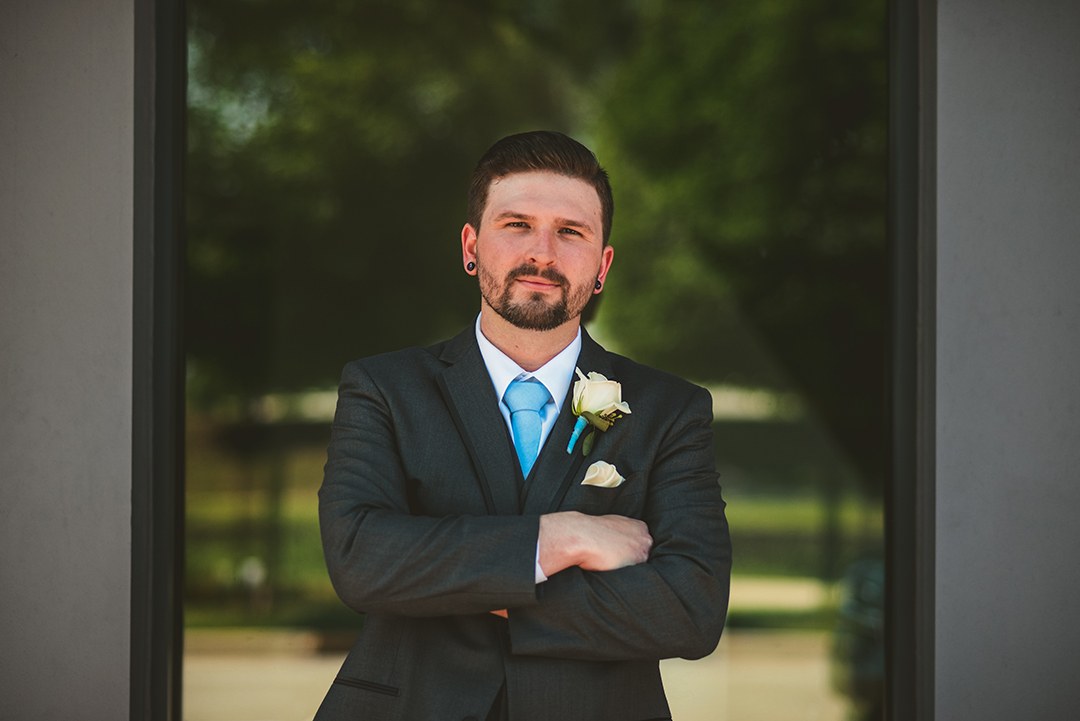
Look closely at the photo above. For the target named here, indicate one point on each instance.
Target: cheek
(503, 251)
(584, 262)
(488, 257)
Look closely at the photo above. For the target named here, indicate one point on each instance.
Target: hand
(595, 543)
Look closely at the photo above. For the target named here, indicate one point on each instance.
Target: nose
(543, 248)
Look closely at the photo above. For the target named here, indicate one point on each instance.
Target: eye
(569, 230)
(517, 224)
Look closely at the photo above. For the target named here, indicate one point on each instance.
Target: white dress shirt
(555, 375)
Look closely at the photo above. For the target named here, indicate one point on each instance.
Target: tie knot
(526, 395)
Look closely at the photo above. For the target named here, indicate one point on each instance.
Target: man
(495, 583)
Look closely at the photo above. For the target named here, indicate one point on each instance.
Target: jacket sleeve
(674, 604)
(381, 558)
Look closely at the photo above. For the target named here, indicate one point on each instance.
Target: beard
(534, 312)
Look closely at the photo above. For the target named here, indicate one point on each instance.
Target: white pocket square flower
(602, 475)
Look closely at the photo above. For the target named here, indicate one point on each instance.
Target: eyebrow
(509, 214)
(571, 223)
(567, 222)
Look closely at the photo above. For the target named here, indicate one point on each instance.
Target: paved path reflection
(752, 676)
(756, 676)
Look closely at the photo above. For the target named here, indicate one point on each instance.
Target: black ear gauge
(599, 285)
(471, 266)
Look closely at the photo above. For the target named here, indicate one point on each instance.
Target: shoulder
(408, 364)
(655, 389)
(389, 365)
(392, 375)
(392, 381)
(631, 369)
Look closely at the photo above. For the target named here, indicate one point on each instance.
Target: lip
(533, 283)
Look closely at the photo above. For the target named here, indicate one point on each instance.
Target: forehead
(542, 193)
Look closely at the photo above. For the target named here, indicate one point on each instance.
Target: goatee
(534, 312)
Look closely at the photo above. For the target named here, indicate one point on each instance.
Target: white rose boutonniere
(598, 401)
(602, 475)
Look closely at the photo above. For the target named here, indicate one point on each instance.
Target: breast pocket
(627, 499)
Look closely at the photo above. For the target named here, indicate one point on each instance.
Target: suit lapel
(555, 469)
(470, 397)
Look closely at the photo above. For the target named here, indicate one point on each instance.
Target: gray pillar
(66, 165)
(1008, 360)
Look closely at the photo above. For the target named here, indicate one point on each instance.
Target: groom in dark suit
(503, 576)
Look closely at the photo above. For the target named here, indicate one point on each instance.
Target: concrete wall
(1008, 367)
(66, 111)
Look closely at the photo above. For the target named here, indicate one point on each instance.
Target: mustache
(547, 274)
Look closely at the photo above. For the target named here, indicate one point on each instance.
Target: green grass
(297, 613)
(816, 620)
(229, 519)
(760, 514)
(745, 513)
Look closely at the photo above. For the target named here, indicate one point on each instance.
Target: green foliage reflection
(329, 150)
(330, 145)
(747, 142)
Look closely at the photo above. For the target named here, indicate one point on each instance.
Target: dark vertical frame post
(157, 509)
(910, 518)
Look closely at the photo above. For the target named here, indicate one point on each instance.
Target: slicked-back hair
(545, 151)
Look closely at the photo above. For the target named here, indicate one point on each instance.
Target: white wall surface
(1008, 367)
(66, 107)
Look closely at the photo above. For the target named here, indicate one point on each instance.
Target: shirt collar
(556, 374)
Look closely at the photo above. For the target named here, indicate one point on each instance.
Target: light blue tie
(525, 398)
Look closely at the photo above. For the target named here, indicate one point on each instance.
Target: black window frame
(157, 458)
(157, 515)
(909, 510)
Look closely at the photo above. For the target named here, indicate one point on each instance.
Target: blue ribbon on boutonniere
(597, 401)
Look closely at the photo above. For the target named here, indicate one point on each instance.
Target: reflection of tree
(747, 144)
(330, 145)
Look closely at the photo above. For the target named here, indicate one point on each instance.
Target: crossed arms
(618, 588)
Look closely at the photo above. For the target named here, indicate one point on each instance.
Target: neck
(530, 349)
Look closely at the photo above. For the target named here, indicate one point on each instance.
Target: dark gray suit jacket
(427, 526)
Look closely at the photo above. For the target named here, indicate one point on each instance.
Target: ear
(605, 265)
(468, 248)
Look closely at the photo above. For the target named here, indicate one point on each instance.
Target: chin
(532, 309)
(534, 314)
